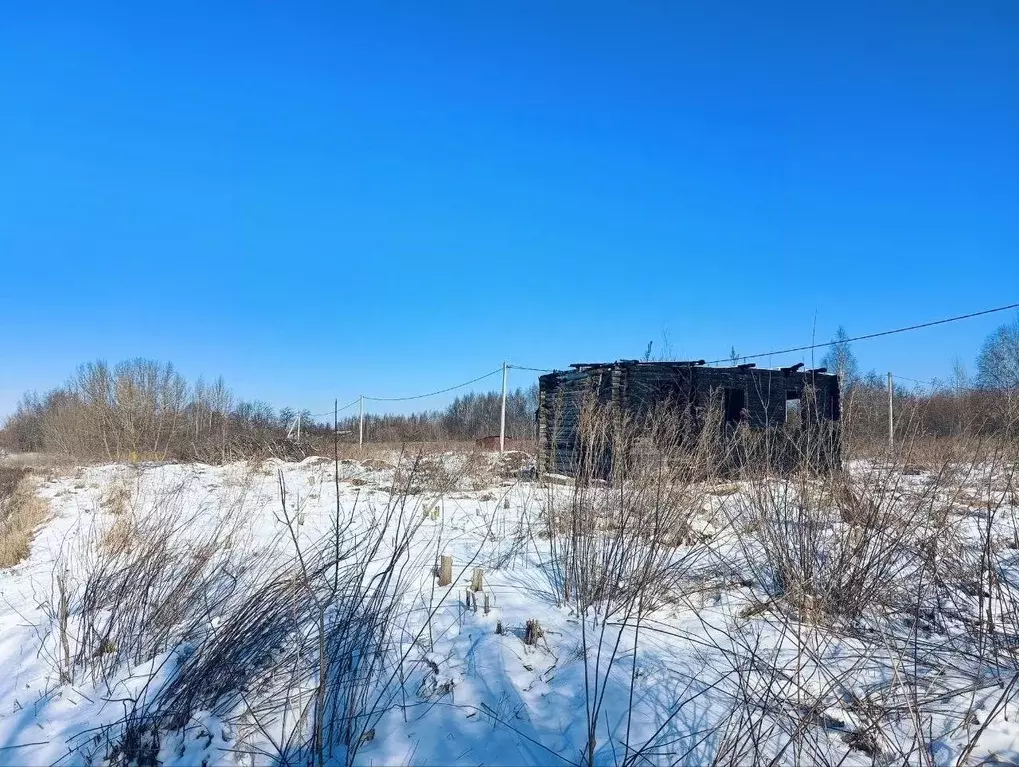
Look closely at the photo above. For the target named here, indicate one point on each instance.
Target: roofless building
(794, 404)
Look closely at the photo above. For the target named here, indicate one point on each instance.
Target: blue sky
(319, 200)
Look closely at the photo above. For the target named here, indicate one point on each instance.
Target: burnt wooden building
(793, 404)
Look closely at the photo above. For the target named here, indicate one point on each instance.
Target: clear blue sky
(316, 200)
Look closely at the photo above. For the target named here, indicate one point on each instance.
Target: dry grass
(118, 498)
(21, 514)
(51, 462)
(315, 637)
(120, 537)
(386, 450)
(879, 561)
(903, 557)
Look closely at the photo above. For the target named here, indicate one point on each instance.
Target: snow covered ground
(99, 645)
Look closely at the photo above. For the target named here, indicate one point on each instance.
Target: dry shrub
(820, 547)
(883, 556)
(142, 586)
(440, 473)
(620, 538)
(376, 464)
(890, 567)
(10, 477)
(514, 464)
(312, 647)
(119, 537)
(21, 514)
(840, 545)
(118, 498)
(623, 530)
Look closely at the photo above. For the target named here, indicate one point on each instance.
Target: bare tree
(998, 361)
(839, 359)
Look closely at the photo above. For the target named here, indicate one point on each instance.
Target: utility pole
(891, 414)
(360, 421)
(502, 418)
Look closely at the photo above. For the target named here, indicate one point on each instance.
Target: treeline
(985, 404)
(141, 409)
(146, 410)
(937, 412)
(468, 417)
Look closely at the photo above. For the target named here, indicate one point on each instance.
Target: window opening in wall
(734, 404)
(793, 410)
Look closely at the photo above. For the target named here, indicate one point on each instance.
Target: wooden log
(533, 632)
(445, 570)
(478, 581)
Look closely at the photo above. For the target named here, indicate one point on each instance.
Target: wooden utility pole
(502, 419)
(360, 421)
(891, 413)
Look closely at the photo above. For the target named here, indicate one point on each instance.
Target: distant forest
(467, 417)
(145, 409)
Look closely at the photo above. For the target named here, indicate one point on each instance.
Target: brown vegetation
(21, 514)
(142, 410)
(885, 558)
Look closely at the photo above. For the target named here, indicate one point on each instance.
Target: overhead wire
(534, 370)
(760, 355)
(808, 347)
(433, 393)
(936, 385)
(337, 410)
(898, 377)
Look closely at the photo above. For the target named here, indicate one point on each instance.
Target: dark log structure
(796, 405)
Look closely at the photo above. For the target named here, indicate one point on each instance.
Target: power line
(937, 385)
(791, 350)
(340, 410)
(535, 370)
(430, 394)
(433, 393)
(870, 335)
(345, 407)
(913, 380)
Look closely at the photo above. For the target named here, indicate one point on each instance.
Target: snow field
(180, 614)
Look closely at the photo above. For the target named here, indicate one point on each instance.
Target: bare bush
(835, 572)
(824, 544)
(310, 647)
(878, 570)
(621, 547)
(139, 588)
